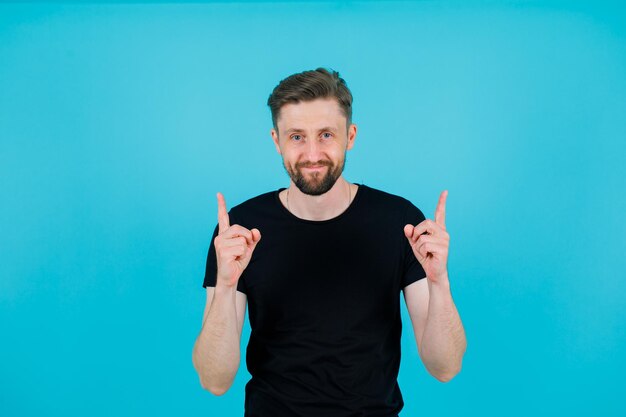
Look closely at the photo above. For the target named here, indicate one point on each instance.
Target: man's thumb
(256, 235)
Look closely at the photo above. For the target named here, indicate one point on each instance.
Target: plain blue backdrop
(120, 122)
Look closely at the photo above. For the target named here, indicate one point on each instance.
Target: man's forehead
(294, 129)
(319, 113)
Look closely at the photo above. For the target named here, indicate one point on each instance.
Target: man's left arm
(437, 326)
(436, 322)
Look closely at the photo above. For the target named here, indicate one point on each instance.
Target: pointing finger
(222, 214)
(440, 212)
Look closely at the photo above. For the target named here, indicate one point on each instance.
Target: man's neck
(320, 207)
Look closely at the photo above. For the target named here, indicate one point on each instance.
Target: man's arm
(439, 333)
(438, 330)
(216, 352)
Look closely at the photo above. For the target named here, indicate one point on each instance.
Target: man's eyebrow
(298, 130)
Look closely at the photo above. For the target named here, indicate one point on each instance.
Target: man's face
(313, 139)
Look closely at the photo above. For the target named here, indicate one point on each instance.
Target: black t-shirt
(324, 305)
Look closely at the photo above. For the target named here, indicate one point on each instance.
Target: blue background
(120, 122)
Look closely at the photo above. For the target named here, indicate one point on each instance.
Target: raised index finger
(222, 214)
(440, 212)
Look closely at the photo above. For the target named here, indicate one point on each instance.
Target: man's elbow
(215, 385)
(214, 389)
(447, 375)
(210, 384)
(444, 377)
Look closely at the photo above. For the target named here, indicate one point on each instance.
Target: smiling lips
(314, 167)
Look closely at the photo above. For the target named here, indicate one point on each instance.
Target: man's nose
(314, 150)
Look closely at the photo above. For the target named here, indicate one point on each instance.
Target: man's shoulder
(255, 205)
(385, 197)
(394, 204)
(258, 199)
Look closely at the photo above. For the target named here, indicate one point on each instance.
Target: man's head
(308, 86)
(312, 118)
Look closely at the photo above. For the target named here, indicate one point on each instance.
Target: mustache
(311, 164)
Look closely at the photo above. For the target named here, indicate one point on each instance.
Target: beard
(316, 183)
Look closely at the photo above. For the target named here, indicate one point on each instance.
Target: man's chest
(335, 280)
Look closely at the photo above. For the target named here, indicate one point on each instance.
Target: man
(323, 283)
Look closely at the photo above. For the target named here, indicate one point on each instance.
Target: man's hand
(233, 246)
(429, 241)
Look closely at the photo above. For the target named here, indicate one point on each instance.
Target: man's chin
(311, 190)
(314, 188)
(315, 183)
(313, 193)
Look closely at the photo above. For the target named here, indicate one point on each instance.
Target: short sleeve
(412, 270)
(210, 274)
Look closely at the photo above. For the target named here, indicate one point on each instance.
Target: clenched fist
(233, 246)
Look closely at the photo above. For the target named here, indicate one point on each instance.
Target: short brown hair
(310, 85)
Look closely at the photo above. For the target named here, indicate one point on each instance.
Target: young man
(323, 283)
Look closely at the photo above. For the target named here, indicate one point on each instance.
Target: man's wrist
(442, 283)
(221, 288)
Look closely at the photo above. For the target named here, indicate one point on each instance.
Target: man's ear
(351, 136)
(274, 134)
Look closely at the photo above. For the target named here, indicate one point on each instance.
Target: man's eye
(327, 135)
(295, 137)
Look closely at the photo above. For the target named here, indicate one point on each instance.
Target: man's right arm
(216, 353)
